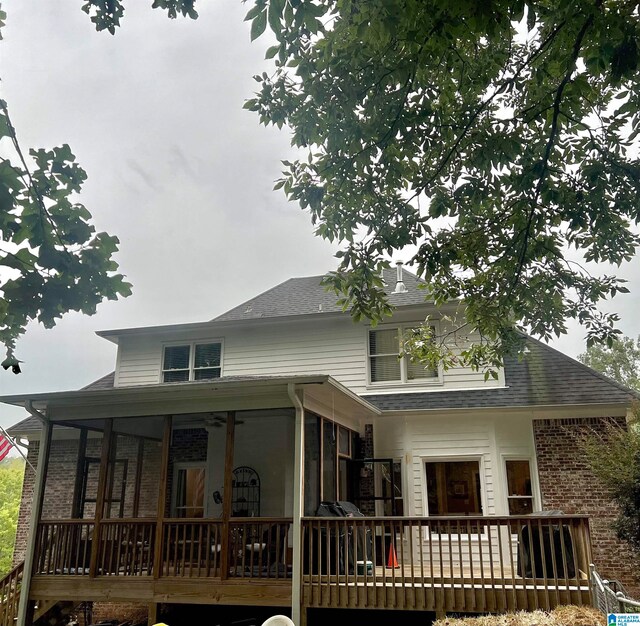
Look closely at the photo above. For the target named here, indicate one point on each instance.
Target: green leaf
(272, 51)
(259, 25)
(276, 7)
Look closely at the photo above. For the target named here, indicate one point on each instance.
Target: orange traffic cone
(392, 561)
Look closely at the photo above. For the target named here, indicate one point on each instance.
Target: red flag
(5, 447)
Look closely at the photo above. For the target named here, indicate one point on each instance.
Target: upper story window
(385, 363)
(196, 361)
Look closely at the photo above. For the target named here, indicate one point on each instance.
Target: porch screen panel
(453, 488)
(329, 434)
(391, 485)
(59, 486)
(121, 477)
(151, 462)
(311, 465)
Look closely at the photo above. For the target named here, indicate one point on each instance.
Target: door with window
(188, 490)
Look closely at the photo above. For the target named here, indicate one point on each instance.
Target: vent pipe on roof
(400, 286)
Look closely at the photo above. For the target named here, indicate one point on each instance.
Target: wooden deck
(473, 564)
(437, 564)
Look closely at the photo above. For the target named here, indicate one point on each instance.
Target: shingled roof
(545, 377)
(306, 296)
(33, 424)
(106, 382)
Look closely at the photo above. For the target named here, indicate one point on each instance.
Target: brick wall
(123, 612)
(568, 485)
(24, 514)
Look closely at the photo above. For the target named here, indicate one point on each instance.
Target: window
(189, 491)
(385, 363)
(453, 487)
(200, 361)
(519, 493)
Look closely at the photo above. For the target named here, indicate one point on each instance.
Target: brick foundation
(568, 485)
(123, 612)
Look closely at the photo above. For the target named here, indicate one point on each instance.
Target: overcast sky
(177, 170)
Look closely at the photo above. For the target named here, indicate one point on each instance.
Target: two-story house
(194, 473)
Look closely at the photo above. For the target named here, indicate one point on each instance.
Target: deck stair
(10, 595)
(53, 612)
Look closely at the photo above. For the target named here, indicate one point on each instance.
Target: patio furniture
(546, 551)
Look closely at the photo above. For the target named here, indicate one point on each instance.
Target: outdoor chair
(267, 557)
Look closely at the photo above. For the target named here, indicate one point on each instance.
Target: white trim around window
(477, 458)
(535, 497)
(441, 536)
(393, 357)
(187, 369)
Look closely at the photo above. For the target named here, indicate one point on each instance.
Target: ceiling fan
(217, 421)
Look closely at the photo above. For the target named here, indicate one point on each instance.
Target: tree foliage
(495, 138)
(613, 453)
(620, 360)
(51, 259)
(11, 475)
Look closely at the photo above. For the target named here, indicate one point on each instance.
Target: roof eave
(115, 334)
(191, 388)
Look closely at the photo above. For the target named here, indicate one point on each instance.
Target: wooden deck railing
(259, 548)
(126, 547)
(10, 595)
(63, 547)
(446, 563)
(438, 563)
(191, 548)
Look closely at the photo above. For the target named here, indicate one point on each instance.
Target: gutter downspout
(36, 510)
(298, 498)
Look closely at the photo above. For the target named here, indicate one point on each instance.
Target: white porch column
(298, 500)
(36, 512)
